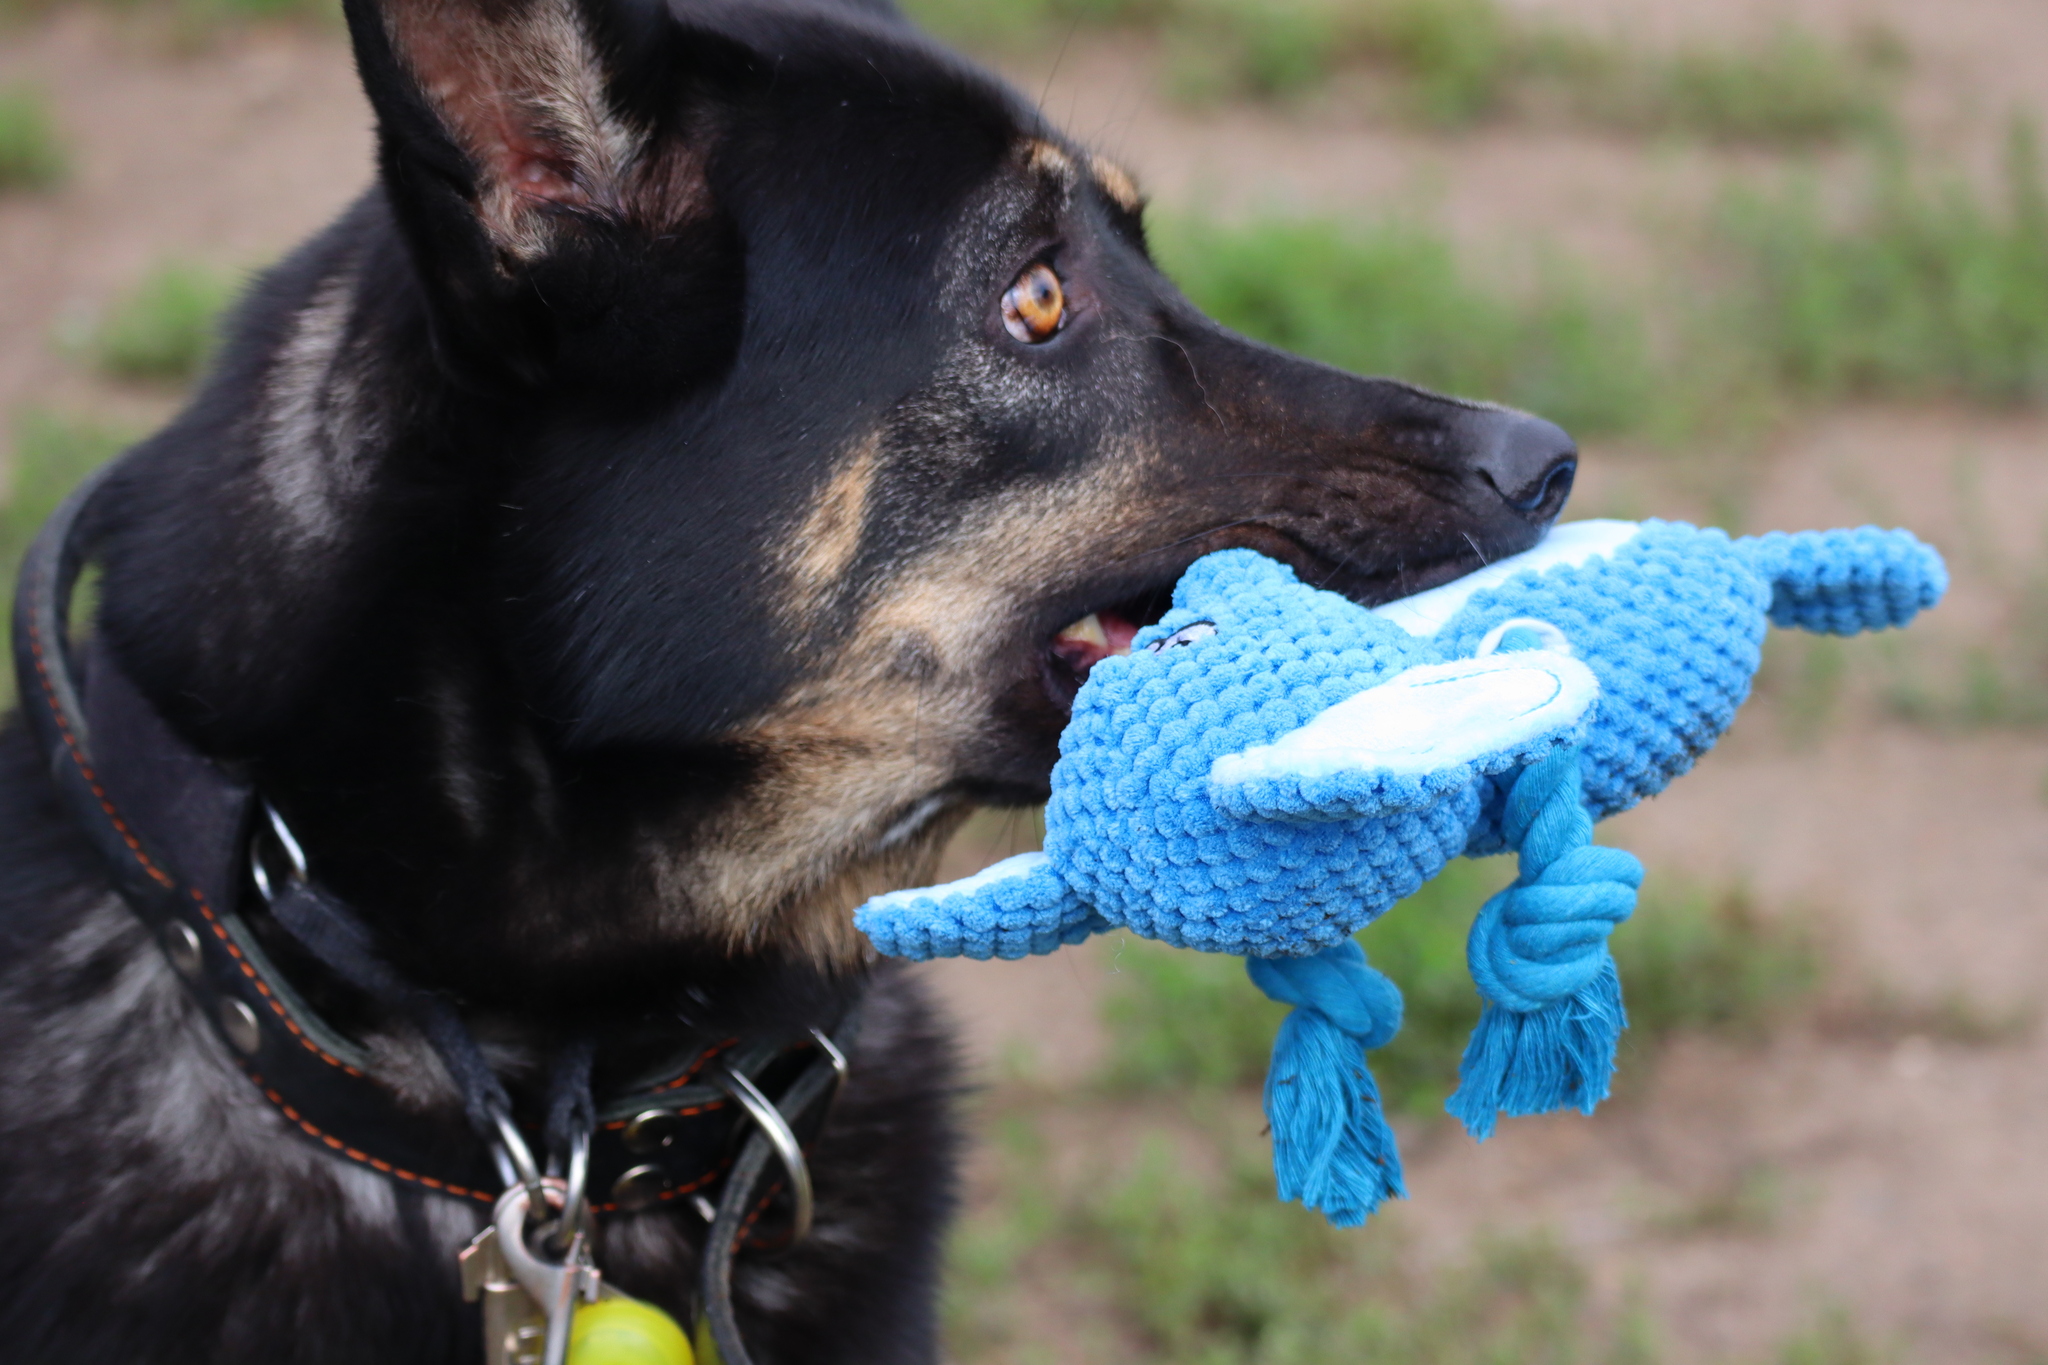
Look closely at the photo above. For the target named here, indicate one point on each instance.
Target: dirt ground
(1915, 1166)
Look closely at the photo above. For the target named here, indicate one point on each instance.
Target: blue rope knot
(1538, 954)
(1546, 1038)
(1332, 1149)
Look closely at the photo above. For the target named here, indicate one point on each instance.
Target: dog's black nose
(1529, 462)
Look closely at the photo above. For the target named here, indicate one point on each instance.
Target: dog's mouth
(1104, 633)
(1106, 630)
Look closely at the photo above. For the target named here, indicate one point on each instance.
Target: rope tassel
(1332, 1148)
(1538, 954)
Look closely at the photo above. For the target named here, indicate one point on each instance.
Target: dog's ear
(536, 156)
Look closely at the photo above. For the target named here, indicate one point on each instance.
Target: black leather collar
(173, 829)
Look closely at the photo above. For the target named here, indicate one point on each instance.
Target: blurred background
(1778, 265)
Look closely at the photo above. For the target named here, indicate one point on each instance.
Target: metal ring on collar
(516, 1165)
(782, 1137)
(576, 1207)
(293, 852)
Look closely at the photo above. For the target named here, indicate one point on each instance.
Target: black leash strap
(738, 1209)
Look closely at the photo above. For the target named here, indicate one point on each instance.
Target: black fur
(627, 538)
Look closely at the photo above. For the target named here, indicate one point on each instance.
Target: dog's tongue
(1093, 638)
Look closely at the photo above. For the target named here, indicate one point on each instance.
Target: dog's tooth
(1086, 631)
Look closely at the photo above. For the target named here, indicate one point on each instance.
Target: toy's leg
(1843, 581)
(1016, 908)
(1538, 953)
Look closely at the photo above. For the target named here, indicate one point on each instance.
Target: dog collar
(173, 829)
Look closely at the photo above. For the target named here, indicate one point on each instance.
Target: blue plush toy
(1272, 767)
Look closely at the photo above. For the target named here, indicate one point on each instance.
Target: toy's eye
(1186, 635)
(1035, 307)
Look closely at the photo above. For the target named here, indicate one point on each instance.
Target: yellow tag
(626, 1331)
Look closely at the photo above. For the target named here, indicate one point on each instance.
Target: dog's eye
(1186, 635)
(1035, 306)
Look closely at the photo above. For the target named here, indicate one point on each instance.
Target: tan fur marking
(1117, 183)
(830, 535)
(864, 740)
(1043, 158)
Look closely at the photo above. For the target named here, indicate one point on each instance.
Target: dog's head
(708, 465)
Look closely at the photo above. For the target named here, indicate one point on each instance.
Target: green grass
(1172, 1248)
(186, 23)
(1835, 1340)
(31, 154)
(1690, 960)
(164, 329)
(1455, 62)
(1395, 297)
(1708, 960)
(50, 455)
(1928, 289)
(1791, 89)
(1179, 1253)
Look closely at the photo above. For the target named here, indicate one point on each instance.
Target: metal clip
(554, 1288)
(514, 1326)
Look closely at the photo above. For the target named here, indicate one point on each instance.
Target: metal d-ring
(575, 1202)
(293, 852)
(516, 1165)
(834, 1056)
(782, 1138)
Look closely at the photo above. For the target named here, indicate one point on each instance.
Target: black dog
(639, 530)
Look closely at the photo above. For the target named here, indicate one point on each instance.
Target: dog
(696, 475)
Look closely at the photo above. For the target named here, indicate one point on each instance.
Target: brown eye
(1035, 306)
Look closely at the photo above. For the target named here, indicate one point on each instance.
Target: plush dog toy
(1272, 767)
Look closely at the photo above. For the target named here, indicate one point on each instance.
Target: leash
(180, 837)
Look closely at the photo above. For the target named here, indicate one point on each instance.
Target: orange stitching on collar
(385, 1167)
(35, 644)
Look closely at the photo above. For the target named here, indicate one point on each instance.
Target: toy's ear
(1841, 582)
(1015, 908)
(1215, 581)
(1412, 740)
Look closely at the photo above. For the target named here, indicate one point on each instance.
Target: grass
(1927, 289)
(1455, 62)
(163, 330)
(31, 154)
(1179, 1252)
(1751, 1200)
(1690, 959)
(1396, 298)
(1694, 959)
(188, 22)
(1172, 1248)
(51, 454)
(1791, 89)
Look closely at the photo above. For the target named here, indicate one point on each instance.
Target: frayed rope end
(1332, 1148)
(1560, 1055)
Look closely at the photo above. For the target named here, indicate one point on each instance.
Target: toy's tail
(1842, 582)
